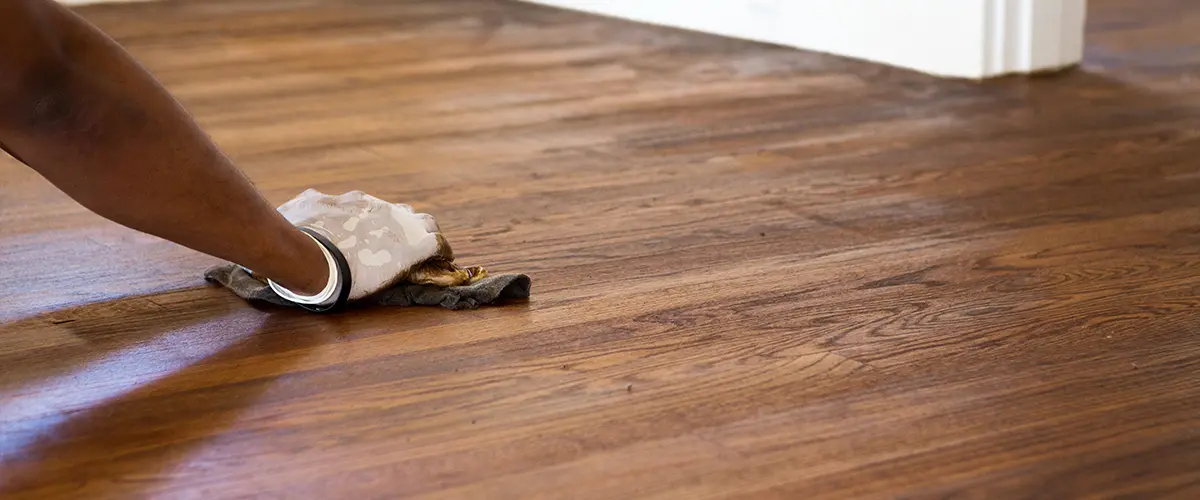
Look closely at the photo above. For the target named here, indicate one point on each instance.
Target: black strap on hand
(344, 278)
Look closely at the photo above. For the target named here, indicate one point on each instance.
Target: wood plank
(758, 273)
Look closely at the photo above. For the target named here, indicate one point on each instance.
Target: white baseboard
(952, 38)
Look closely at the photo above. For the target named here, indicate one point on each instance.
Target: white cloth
(382, 241)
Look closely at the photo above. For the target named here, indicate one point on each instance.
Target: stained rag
(484, 291)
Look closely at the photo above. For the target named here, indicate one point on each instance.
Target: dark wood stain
(759, 273)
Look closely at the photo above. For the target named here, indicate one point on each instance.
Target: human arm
(79, 110)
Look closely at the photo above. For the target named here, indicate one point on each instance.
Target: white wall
(952, 38)
(956, 38)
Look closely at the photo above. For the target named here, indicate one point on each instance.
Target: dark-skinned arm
(79, 110)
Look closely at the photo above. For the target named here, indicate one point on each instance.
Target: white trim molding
(973, 39)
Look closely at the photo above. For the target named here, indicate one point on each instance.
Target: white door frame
(973, 39)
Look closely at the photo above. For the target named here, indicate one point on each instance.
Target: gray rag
(485, 291)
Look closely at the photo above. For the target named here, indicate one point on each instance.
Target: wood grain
(758, 273)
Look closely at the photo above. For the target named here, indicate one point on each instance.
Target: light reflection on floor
(33, 411)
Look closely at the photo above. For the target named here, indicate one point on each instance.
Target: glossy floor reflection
(758, 273)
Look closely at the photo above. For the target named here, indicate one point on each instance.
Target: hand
(384, 243)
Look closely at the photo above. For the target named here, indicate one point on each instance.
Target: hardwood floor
(758, 273)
